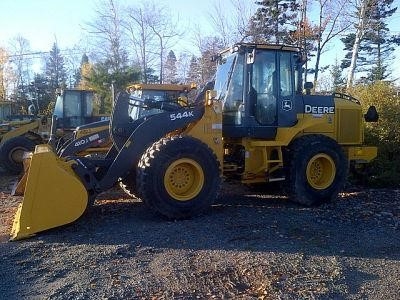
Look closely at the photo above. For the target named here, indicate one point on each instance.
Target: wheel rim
(321, 171)
(184, 179)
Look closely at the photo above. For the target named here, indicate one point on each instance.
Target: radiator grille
(349, 126)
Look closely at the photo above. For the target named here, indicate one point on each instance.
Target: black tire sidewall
(11, 145)
(301, 190)
(153, 189)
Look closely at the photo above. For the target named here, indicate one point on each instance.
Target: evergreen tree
(337, 77)
(100, 79)
(379, 41)
(274, 21)
(78, 72)
(150, 76)
(55, 70)
(42, 96)
(376, 45)
(194, 74)
(170, 68)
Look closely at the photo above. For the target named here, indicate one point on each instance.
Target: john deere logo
(319, 109)
(287, 105)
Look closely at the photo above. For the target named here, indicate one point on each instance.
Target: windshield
(224, 72)
(229, 86)
(72, 104)
(137, 109)
(88, 106)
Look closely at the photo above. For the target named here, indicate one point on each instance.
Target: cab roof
(250, 46)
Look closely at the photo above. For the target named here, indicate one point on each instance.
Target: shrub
(384, 171)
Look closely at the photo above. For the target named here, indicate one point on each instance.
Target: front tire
(128, 184)
(317, 170)
(178, 177)
(12, 152)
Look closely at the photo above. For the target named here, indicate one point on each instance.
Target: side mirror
(371, 115)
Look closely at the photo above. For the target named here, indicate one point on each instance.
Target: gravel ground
(252, 244)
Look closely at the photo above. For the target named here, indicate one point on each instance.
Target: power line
(29, 54)
(67, 51)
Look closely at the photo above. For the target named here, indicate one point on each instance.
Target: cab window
(263, 88)
(285, 75)
(233, 97)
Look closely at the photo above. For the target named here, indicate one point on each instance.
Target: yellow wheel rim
(184, 179)
(321, 171)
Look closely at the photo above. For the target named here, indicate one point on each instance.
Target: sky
(44, 22)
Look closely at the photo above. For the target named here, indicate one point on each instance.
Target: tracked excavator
(254, 125)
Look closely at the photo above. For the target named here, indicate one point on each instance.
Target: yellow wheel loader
(73, 108)
(254, 125)
(93, 139)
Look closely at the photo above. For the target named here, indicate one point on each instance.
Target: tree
(19, 48)
(183, 65)
(3, 74)
(194, 73)
(141, 36)
(370, 45)
(208, 47)
(42, 94)
(82, 72)
(73, 63)
(330, 24)
(100, 79)
(108, 32)
(274, 20)
(152, 31)
(353, 40)
(170, 68)
(165, 30)
(379, 42)
(55, 71)
(337, 78)
(230, 20)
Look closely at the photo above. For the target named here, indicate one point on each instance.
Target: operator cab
(74, 108)
(260, 87)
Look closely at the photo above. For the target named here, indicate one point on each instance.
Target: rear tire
(317, 170)
(178, 177)
(12, 151)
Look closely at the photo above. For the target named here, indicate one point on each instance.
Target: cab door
(286, 109)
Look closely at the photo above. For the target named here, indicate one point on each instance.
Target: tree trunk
(359, 36)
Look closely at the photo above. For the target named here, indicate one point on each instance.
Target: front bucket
(53, 195)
